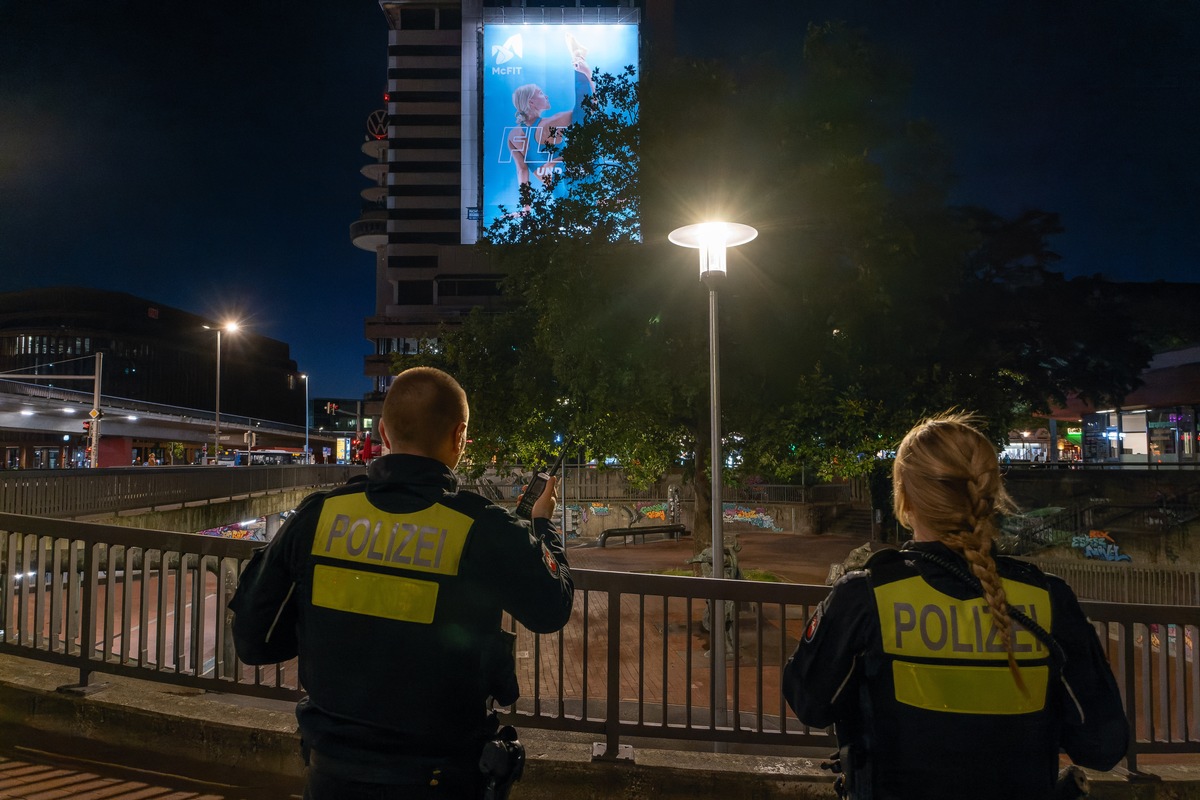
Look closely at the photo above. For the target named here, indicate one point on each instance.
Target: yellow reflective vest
(903, 659)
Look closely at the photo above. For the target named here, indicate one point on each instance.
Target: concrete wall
(597, 517)
(1034, 488)
(185, 518)
(254, 750)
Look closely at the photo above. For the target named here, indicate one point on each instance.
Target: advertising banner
(535, 78)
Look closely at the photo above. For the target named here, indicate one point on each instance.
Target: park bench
(674, 531)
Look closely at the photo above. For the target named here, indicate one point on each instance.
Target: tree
(867, 302)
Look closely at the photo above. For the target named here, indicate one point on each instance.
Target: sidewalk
(37, 775)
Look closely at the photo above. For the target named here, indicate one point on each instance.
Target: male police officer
(390, 590)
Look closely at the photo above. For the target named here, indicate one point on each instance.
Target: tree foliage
(867, 301)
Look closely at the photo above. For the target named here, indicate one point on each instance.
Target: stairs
(847, 521)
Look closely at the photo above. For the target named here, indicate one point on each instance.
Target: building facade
(424, 209)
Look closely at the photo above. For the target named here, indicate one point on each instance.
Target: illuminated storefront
(1156, 423)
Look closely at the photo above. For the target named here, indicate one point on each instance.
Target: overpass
(178, 499)
(37, 416)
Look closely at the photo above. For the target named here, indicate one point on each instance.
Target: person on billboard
(537, 131)
(390, 590)
(949, 670)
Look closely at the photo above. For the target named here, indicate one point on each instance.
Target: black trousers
(420, 779)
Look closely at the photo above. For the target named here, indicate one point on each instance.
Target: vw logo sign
(377, 124)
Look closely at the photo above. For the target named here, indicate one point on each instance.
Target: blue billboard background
(533, 78)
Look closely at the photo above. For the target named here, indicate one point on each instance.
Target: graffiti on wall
(1100, 546)
(1172, 641)
(732, 512)
(254, 531)
(600, 509)
(656, 511)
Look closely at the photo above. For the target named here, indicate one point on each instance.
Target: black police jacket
(390, 590)
(902, 657)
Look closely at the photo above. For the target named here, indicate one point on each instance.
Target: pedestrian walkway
(27, 774)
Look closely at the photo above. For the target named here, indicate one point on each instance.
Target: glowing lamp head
(712, 239)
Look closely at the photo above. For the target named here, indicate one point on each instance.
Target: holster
(502, 762)
(855, 780)
(1072, 783)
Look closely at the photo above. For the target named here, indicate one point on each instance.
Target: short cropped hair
(422, 408)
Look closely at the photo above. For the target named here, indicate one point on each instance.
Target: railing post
(227, 583)
(611, 749)
(87, 644)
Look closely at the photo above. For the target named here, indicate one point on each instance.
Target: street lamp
(307, 459)
(232, 327)
(712, 239)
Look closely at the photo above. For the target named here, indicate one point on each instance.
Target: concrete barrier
(252, 746)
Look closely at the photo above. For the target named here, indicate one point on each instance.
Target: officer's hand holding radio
(540, 496)
(546, 500)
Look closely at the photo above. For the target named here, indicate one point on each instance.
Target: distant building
(1156, 424)
(426, 207)
(153, 353)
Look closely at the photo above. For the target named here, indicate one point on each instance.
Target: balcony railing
(630, 664)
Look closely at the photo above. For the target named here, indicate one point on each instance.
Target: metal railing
(1165, 584)
(590, 484)
(72, 493)
(630, 664)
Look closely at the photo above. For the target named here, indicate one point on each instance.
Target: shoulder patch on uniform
(811, 629)
(549, 560)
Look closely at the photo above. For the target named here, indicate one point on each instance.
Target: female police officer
(951, 672)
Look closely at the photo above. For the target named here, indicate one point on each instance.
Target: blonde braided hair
(947, 480)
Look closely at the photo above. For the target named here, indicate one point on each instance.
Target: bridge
(36, 417)
(102, 604)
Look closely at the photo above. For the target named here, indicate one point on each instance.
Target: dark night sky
(205, 155)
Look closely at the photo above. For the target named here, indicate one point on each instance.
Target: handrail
(97, 598)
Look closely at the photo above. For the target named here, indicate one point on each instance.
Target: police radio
(538, 484)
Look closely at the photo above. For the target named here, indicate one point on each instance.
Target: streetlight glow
(712, 239)
(231, 326)
(307, 459)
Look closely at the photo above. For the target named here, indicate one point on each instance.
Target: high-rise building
(450, 147)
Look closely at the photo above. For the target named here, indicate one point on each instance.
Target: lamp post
(232, 328)
(304, 375)
(712, 239)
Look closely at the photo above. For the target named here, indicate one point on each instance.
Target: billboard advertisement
(535, 78)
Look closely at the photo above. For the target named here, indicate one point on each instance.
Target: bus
(260, 458)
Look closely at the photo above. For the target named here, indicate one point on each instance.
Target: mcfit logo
(513, 47)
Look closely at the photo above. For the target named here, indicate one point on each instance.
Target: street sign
(95, 412)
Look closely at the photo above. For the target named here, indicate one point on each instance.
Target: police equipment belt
(401, 770)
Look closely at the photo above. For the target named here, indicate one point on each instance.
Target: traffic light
(87, 426)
